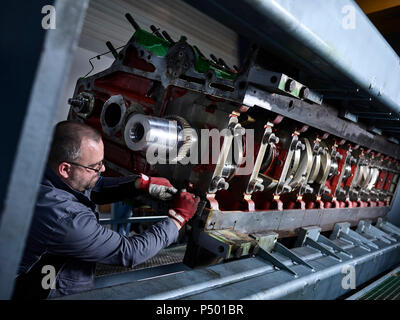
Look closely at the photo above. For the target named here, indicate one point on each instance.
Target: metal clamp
(311, 236)
(342, 230)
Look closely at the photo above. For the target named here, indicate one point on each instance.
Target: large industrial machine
(291, 189)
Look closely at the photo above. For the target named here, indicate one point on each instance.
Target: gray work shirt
(65, 233)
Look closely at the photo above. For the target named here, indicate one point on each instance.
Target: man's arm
(108, 190)
(80, 235)
(85, 239)
(114, 189)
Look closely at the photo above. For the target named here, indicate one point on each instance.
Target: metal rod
(154, 29)
(132, 220)
(132, 21)
(112, 49)
(167, 37)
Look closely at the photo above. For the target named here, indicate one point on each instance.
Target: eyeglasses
(98, 165)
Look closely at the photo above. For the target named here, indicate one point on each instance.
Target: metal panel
(30, 157)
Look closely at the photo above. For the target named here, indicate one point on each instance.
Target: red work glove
(159, 188)
(184, 207)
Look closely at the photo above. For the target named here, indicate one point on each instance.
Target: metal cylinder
(142, 132)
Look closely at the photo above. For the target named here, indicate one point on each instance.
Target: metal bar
(275, 262)
(291, 255)
(30, 158)
(330, 243)
(132, 220)
(286, 222)
(314, 244)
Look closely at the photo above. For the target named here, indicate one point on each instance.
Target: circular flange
(112, 115)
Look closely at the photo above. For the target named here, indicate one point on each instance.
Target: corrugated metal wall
(105, 20)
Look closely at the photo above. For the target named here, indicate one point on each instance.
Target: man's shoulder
(62, 204)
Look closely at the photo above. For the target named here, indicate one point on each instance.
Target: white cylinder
(143, 131)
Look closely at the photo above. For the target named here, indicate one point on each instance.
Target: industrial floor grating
(387, 290)
(166, 256)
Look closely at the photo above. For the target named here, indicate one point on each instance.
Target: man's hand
(183, 208)
(159, 188)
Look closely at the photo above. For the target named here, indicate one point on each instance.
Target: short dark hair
(67, 139)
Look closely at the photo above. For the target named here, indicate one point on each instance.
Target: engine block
(261, 149)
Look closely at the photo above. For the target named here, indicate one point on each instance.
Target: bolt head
(290, 85)
(304, 93)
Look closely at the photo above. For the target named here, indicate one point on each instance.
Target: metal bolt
(326, 190)
(319, 150)
(258, 186)
(220, 183)
(308, 189)
(304, 92)
(338, 156)
(78, 104)
(238, 130)
(223, 185)
(298, 145)
(273, 139)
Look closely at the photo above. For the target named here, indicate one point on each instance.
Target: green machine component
(160, 47)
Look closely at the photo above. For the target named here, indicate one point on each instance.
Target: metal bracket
(312, 243)
(388, 227)
(266, 243)
(268, 139)
(278, 264)
(333, 245)
(280, 248)
(233, 130)
(309, 236)
(367, 228)
(342, 230)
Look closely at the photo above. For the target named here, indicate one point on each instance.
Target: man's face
(92, 154)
